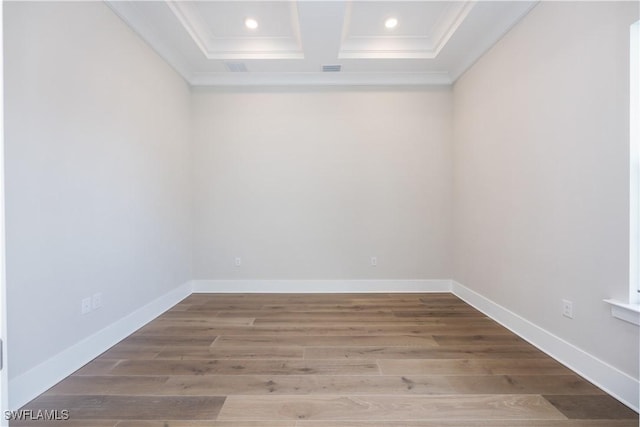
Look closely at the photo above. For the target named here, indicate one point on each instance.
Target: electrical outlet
(567, 308)
(96, 301)
(238, 261)
(86, 305)
(374, 261)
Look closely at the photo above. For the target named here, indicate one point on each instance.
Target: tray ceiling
(208, 42)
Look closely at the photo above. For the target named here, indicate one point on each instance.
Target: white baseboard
(622, 386)
(37, 380)
(319, 286)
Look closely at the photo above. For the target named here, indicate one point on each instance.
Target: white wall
(310, 183)
(97, 174)
(541, 174)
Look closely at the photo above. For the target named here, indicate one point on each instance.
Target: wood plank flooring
(327, 360)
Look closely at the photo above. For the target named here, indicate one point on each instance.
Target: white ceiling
(433, 43)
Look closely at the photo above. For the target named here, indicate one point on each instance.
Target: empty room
(320, 214)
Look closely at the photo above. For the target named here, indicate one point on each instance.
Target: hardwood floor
(341, 360)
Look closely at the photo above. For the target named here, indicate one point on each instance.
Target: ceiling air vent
(236, 67)
(331, 68)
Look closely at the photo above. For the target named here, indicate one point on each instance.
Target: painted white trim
(37, 380)
(622, 386)
(319, 286)
(136, 21)
(491, 37)
(627, 312)
(320, 79)
(634, 164)
(447, 27)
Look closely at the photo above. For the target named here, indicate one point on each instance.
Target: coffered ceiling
(329, 42)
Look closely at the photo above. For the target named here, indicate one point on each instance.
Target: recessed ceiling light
(251, 23)
(391, 23)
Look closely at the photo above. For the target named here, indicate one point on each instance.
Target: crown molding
(491, 38)
(320, 79)
(138, 23)
(450, 24)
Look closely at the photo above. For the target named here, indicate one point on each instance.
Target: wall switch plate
(96, 301)
(567, 308)
(238, 261)
(86, 305)
(374, 261)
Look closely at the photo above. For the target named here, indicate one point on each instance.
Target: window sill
(627, 312)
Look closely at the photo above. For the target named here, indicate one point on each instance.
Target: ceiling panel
(218, 29)
(366, 18)
(226, 19)
(423, 29)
